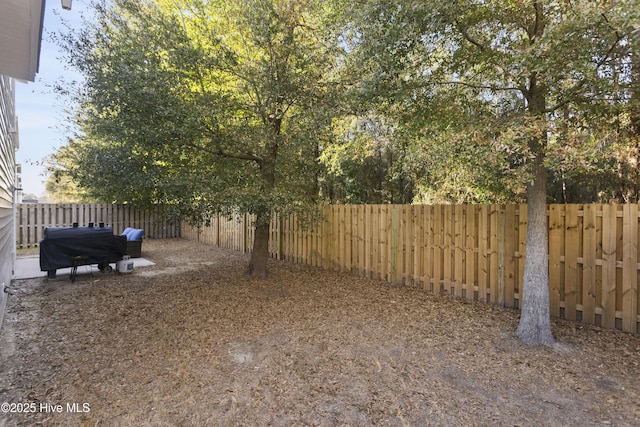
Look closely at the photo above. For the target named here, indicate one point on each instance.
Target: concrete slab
(29, 268)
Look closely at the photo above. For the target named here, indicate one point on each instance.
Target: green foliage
(268, 104)
(61, 187)
(212, 106)
(483, 88)
(367, 163)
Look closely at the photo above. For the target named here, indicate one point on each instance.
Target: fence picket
(571, 261)
(470, 253)
(438, 249)
(458, 250)
(502, 255)
(630, 269)
(523, 223)
(448, 246)
(384, 237)
(589, 264)
(494, 221)
(511, 237)
(482, 241)
(556, 233)
(368, 246)
(394, 245)
(609, 222)
(408, 247)
(427, 258)
(417, 236)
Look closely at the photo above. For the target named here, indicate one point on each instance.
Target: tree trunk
(260, 255)
(535, 322)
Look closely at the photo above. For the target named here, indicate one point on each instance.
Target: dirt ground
(193, 342)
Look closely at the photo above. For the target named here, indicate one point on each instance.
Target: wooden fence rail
(469, 251)
(32, 219)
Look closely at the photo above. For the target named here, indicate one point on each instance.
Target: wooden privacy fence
(33, 218)
(469, 251)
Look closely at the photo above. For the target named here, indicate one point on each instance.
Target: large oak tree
(502, 74)
(208, 105)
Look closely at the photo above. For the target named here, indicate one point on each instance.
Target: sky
(39, 111)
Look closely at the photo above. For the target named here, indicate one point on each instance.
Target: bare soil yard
(191, 341)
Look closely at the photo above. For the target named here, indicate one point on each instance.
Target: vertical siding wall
(32, 218)
(7, 183)
(468, 251)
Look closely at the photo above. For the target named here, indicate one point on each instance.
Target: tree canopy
(456, 76)
(399, 67)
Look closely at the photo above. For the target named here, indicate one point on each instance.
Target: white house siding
(7, 184)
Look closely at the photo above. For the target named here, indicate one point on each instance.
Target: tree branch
(538, 24)
(219, 152)
(487, 87)
(468, 37)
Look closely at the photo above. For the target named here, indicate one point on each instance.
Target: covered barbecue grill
(74, 246)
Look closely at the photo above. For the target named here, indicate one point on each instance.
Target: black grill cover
(98, 244)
